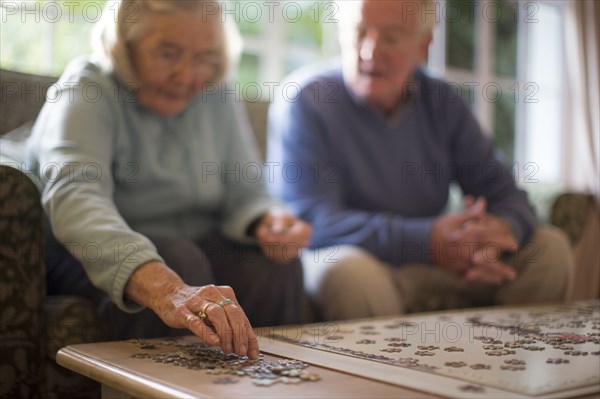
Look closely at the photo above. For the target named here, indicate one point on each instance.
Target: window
(542, 122)
(43, 36)
(280, 36)
(506, 56)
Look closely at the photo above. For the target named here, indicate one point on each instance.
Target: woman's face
(175, 59)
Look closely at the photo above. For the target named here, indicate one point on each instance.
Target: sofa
(34, 325)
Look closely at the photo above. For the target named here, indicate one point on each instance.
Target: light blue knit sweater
(112, 171)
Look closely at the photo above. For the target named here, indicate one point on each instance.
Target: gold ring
(225, 301)
(189, 319)
(202, 314)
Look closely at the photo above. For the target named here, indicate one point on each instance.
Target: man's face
(382, 43)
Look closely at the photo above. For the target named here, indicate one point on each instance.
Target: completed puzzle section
(531, 351)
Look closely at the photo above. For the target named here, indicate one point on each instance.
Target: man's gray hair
(126, 21)
(426, 10)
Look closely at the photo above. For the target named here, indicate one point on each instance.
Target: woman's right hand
(210, 312)
(281, 236)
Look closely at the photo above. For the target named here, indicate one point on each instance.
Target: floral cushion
(33, 327)
(22, 286)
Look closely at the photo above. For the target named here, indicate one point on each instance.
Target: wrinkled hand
(281, 236)
(448, 249)
(495, 238)
(485, 228)
(479, 239)
(180, 305)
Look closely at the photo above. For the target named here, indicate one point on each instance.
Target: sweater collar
(398, 113)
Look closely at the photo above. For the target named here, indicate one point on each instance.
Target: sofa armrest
(578, 215)
(570, 212)
(22, 284)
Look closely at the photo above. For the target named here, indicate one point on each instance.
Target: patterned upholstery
(578, 215)
(34, 326)
(69, 320)
(22, 287)
(570, 212)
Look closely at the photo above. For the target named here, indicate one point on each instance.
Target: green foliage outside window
(505, 32)
(460, 30)
(504, 126)
(505, 65)
(43, 36)
(462, 17)
(248, 69)
(308, 29)
(249, 18)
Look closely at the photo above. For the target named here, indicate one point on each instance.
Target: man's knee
(545, 269)
(354, 267)
(354, 284)
(555, 255)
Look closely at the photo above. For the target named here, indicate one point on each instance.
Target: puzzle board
(549, 351)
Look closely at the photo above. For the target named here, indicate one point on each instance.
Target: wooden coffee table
(540, 351)
(122, 376)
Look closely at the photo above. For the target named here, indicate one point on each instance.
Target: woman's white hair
(126, 21)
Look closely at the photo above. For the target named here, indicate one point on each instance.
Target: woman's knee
(274, 278)
(185, 258)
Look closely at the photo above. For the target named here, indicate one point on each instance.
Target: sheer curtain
(582, 36)
(582, 149)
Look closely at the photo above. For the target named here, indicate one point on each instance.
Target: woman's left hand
(281, 236)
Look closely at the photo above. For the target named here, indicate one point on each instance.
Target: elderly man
(376, 145)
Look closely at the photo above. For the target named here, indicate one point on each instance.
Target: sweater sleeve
(246, 197)
(72, 144)
(311, 182)
(483, 173)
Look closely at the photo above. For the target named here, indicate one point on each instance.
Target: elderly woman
(126, 146)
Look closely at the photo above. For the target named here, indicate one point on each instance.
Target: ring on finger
(189, 319)
(202, 314)
(225, 302)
